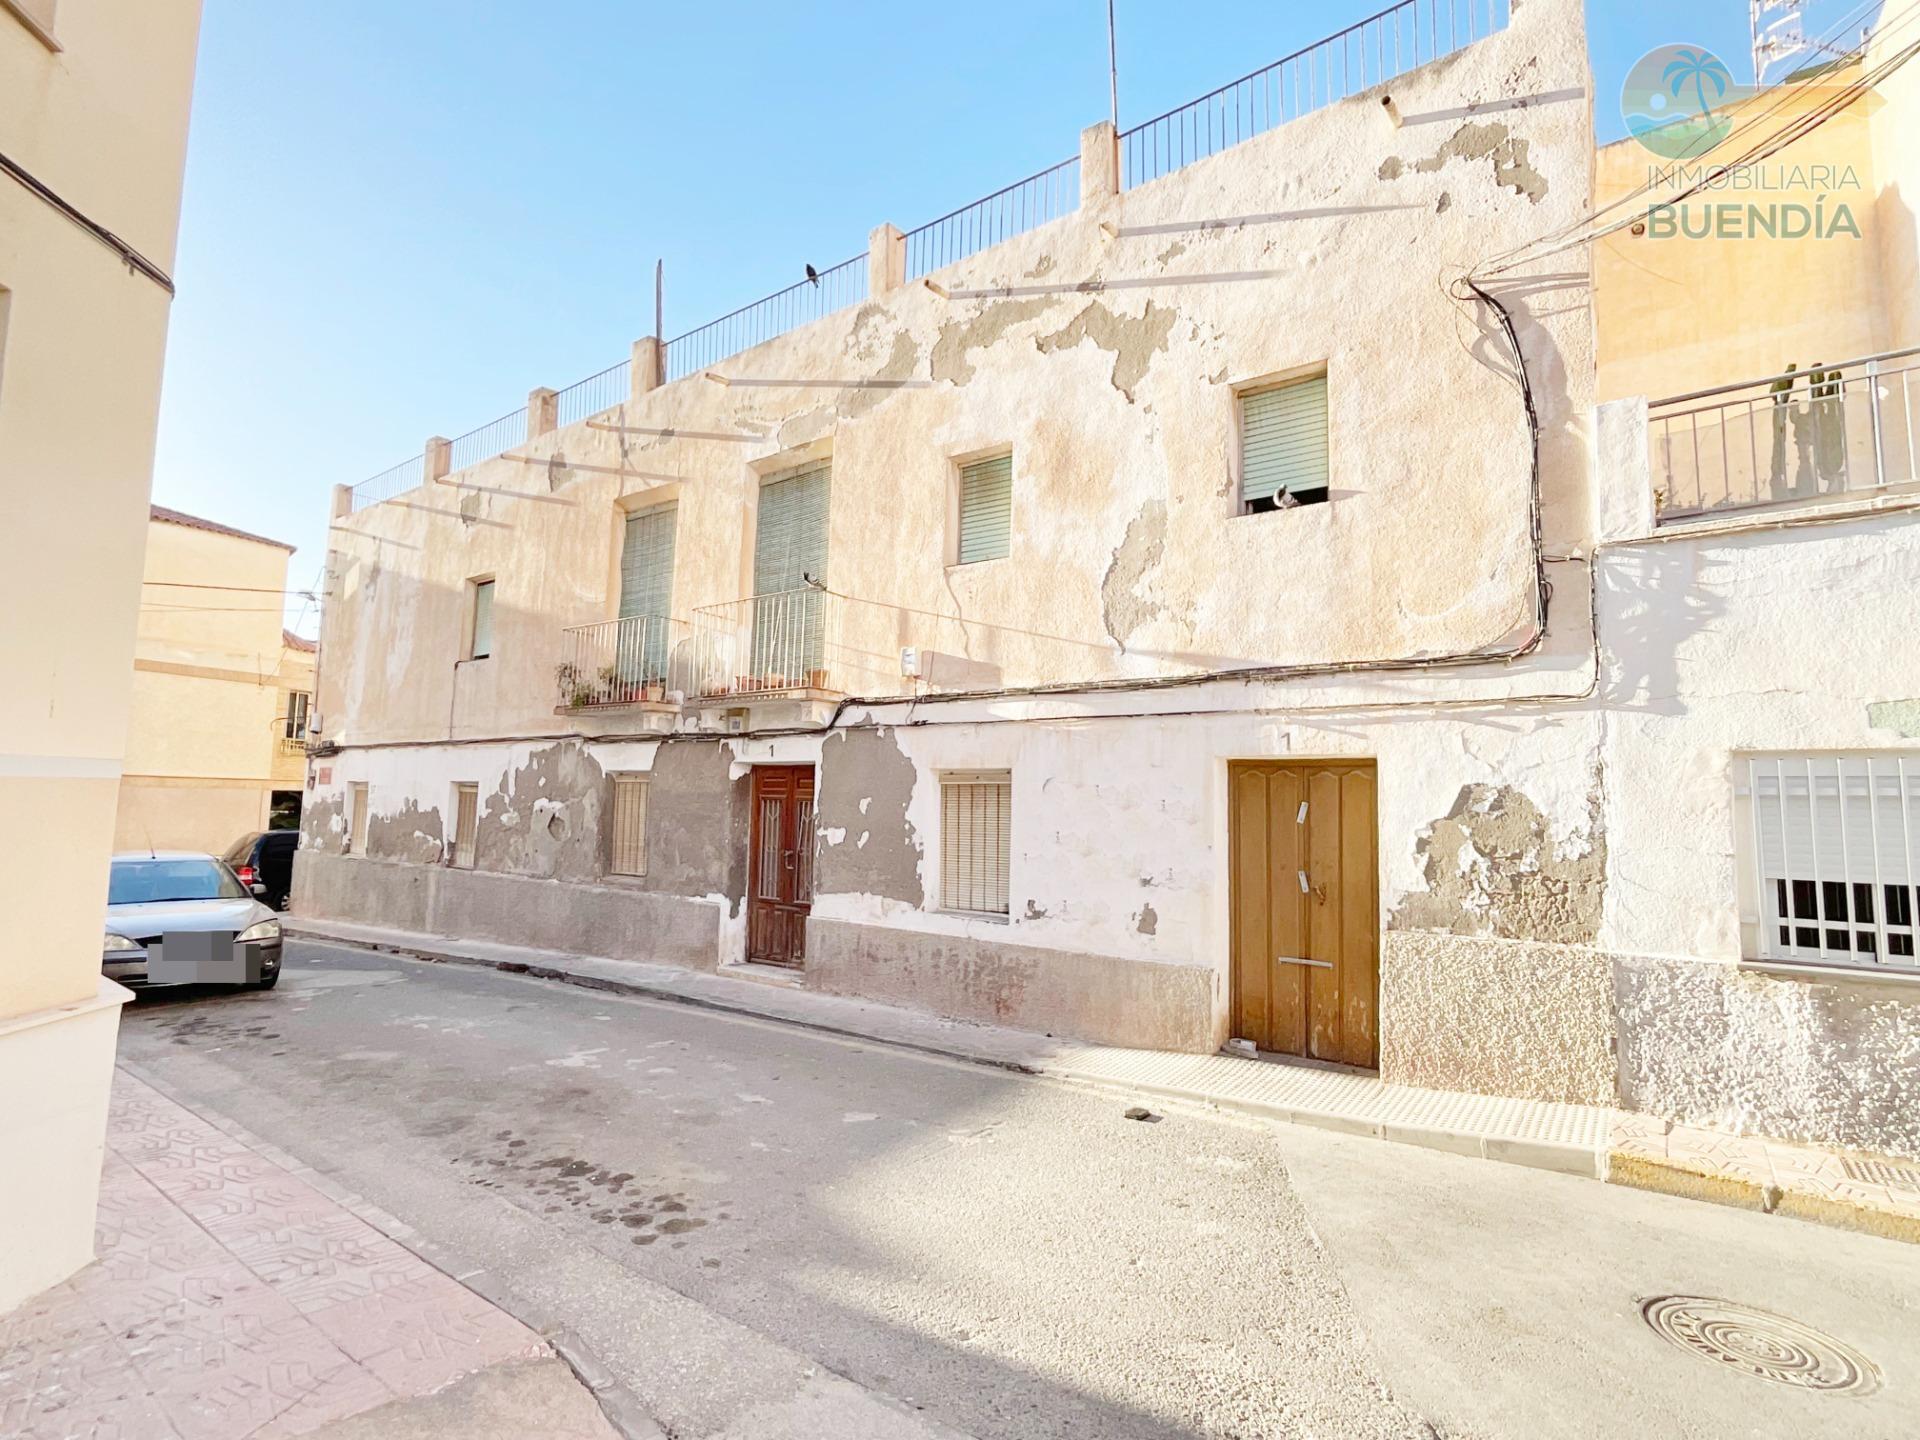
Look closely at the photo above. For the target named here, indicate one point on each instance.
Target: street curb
(1581, 1161)
(621, 1407)
(1639, 1172)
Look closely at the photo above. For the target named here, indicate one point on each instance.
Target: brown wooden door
(780, 864)
(1305, 902)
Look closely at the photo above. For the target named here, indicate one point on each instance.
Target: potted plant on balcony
(575, 690)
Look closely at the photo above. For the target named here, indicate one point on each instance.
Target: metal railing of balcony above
(1022, 206)
(593, 395)
(1398, 39)
(763, 645)
(618, 662)
(1797, 435)
(832, 289)
(396, 480)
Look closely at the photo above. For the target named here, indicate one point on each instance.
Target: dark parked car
(266, 858)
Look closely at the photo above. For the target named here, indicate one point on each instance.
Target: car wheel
(267, 982)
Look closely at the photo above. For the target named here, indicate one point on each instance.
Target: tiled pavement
(232, 1299)
(1868, 1192)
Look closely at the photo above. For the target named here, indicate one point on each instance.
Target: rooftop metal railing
(488, 441)
(396, 480)
(1022, 206)
(1797, 435)
(832, 289)
(594, 394)
(1398, 39)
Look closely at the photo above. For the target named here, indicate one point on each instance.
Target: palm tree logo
(1670, 99)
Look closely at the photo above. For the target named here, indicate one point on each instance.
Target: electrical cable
(134, 259)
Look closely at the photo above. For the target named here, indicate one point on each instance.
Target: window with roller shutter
(986, 510)
(1830, 845)
(976, 833)
(789, 550)
(1283, 445)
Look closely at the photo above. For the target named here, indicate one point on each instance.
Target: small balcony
(779, 646)
(1829, 430)
(624, 662)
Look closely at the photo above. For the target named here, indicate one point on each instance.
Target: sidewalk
(230, 1298)
(1862, 1192)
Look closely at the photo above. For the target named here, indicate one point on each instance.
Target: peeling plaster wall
(1118, 400)
(866, 842)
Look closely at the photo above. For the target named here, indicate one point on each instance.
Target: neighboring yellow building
(216, 744)
(94, 99)
(1802, 258)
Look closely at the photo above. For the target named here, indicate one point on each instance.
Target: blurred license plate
(202, 957)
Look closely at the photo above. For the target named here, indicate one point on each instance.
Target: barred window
(466, 824)
(1833, 852)
(976, 820)
(628, 855)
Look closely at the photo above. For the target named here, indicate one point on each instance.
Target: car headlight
(117, 942)
(264, 930)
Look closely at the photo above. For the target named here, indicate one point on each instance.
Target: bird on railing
(813, 276)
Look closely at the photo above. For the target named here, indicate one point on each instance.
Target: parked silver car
(175, 917)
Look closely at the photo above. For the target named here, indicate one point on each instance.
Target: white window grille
(976, 822)
(466, 824)
(1834, 858)
(357, 818)
(628, 853)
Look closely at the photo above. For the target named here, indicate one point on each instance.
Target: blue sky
(401, 217)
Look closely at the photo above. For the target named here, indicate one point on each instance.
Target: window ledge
(1840, 974)
(988, 916)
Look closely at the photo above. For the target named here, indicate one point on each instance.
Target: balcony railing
(764, 645)
(1827, 430)
(617, 662)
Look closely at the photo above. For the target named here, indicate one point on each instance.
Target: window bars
(1798, 435)
(1833, 857)
(1398, 39)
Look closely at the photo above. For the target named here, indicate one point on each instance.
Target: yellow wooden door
(1305, 905)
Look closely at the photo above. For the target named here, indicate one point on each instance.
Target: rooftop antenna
(1113, 71)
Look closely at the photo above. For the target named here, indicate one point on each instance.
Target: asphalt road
(767, 1232)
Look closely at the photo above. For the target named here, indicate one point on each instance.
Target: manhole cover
(1770, 1347)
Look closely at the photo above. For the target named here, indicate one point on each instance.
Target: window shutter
(1283, 440)
(986, 509)
(466, 824)
(629, 855)
(790, 537)
(646, 562)
(482, 620)
(976, 840)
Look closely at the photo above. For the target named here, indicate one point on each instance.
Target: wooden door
(780, 864)
(1305, 903)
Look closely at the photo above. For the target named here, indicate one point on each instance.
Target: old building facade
(1214, 610)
